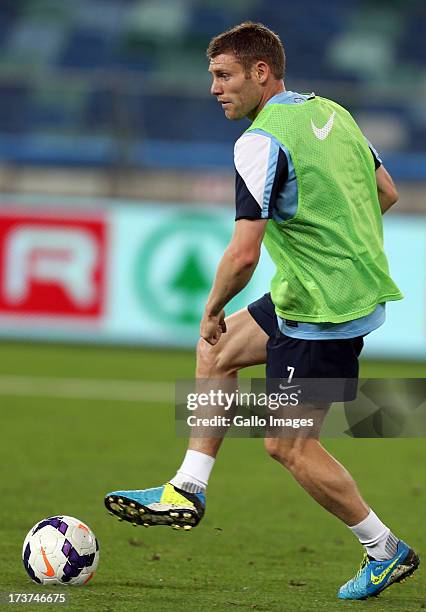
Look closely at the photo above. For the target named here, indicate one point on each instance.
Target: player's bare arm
(233, 273)
(386, 189)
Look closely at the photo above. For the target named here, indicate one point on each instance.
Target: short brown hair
(251, 42)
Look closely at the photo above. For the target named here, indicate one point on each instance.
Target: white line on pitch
(87, 389)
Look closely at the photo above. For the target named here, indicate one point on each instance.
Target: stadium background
(116, 201)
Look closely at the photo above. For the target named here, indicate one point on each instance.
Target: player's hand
(212, 327)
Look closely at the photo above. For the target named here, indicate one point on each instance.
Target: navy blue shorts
(334, 359)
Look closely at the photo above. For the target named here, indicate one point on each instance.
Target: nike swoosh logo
(283, 388)
(377, 579)
(322, 133)
(50, 571)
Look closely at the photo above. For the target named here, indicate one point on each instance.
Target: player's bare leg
(180, 503)
(387, 559)
(241, 346)
(320, 474)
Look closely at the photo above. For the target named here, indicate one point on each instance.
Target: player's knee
(207, 358)
(212, 361)
(286, 451)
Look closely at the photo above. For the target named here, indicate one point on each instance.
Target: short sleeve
(260, 166)
(377, 160)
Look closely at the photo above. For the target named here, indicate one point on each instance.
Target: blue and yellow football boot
(375, 576)
(166, 505)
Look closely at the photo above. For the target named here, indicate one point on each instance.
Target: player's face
(239, 93)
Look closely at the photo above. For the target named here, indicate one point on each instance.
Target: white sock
(193, 475)
(378, 540)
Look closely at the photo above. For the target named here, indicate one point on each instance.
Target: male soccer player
(312, 188)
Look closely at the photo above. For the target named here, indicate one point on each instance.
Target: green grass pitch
(263, 545)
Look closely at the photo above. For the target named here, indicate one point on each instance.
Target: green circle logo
(176, 265)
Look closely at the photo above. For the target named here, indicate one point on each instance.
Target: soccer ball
(60, 550)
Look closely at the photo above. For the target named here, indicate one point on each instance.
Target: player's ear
(262, 71)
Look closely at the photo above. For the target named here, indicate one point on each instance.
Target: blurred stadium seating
(97, 82)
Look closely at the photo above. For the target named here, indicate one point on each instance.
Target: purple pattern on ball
(71, 571)
(54, 521)
(66, 547)
(76, 563)
(68, 569)
(88, 559)
(27, 565)
(63, 528)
